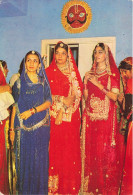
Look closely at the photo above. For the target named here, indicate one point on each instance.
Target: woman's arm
(26, 114)
(85, 89)
(110, 94)
(68, 101)
(5, 88)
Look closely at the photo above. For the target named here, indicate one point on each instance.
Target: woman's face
(5, 70)
(61, 56)
(126, 74)
(99, 55)
(32, 63)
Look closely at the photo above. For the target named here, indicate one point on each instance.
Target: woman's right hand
(88, 75)
(69, 100)
(12, 136)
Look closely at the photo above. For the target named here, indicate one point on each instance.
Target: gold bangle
(35, 109)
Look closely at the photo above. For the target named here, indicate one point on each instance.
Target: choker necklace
(101, 71)
(63, 68)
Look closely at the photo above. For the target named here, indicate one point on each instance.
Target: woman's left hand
(25, 115)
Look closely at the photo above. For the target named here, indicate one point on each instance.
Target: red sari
(126, 187)
(3, 160)
(64, 150)
(101, 159)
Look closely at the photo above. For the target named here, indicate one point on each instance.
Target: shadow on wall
(11, 8)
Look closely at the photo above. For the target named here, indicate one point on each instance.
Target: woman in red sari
(64, 151)
(125, 100)
(101, 168)
(4, 87)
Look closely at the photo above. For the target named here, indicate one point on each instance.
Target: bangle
(32, 111)
(35, 109)
(105, 91)
(11, 129)
(85, 86)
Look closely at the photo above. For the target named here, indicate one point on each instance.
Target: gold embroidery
(53, 183)
(115, 90)
(83, 153)
(86, 181)
(74, 86)
(100, 108)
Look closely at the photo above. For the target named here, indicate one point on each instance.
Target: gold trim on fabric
(74, 86)
(115, 90)
(36, 126)
(53, 183)
(83, 152)
(100, 108)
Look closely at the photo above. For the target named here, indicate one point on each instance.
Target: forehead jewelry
(61, 44)
(33, 52)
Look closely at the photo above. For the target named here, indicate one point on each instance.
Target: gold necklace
(64, 68)
(101, 71)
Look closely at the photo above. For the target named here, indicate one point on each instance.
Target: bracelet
(85, 86)
(32, 111)
(11, 129)
(105, 91)
(35, 109)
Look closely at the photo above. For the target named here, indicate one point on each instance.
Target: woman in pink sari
(101, 159)
(64, 150)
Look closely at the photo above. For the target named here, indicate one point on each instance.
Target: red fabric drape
(64, 149)
(3, 161)
(102, 156)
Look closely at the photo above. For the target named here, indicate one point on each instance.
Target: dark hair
(21, 66)
(62, 45)
(33, 53)
(3, 63)
(124, 65)
(98, 45)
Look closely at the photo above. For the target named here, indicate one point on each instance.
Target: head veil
(73, 76)
(110, 62)
(127, 63)
(71, 64)
(41, 70)
(28, 94)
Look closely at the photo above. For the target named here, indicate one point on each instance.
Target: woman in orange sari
(64, 151)
(101, 157)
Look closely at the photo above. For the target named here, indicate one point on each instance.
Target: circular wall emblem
(76, 16)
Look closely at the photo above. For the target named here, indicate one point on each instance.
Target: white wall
(86, 46)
